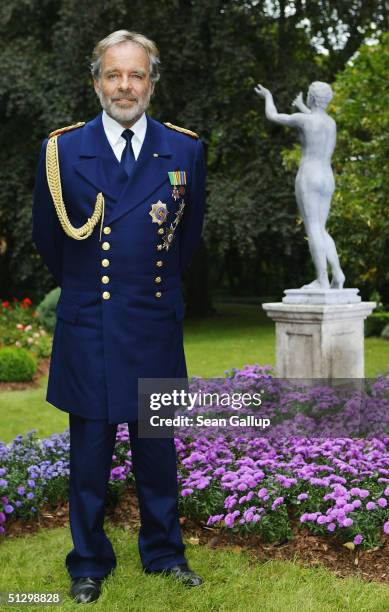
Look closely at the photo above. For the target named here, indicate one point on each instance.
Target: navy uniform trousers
(154, 461)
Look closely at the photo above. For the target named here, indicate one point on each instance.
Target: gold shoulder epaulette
(180, 129)
(66, 129)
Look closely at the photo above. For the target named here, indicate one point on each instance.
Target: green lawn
(244, 334)
(236, 336)
(234, 582)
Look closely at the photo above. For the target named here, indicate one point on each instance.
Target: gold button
(106, 246)
(105, 262)
(158, 279)
(159, 247)
(107, 230)
(158, 294)
(105, 279)
(106, 295)
(159, 263)
(161, 230)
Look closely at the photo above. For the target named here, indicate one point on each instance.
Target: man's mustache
(131, 99)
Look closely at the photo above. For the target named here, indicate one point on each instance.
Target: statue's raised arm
(294, 120)
(298, 102)
(314, 183)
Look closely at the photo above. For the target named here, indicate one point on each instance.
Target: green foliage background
(360, 218)
(213, 52)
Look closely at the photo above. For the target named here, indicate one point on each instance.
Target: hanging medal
(178, 181)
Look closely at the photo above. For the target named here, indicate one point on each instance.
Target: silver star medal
(158, 212)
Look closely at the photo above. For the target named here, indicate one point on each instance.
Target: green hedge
(46, 309)
(16, 364)
(375, 323)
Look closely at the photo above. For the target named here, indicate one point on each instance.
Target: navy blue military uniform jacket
(120, 312)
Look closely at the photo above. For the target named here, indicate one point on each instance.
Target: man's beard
(124, 115)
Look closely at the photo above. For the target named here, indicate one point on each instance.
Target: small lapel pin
(155, 155)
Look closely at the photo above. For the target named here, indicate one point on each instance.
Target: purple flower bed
(304, 471)
(32, 472)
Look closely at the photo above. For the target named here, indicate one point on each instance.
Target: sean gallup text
(201, 421)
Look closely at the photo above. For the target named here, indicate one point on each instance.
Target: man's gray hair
(122, 36)
(321, 93)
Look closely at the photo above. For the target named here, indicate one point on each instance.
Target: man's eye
(137, 76)
(112, 76)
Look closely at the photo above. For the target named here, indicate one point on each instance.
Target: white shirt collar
(114, 129)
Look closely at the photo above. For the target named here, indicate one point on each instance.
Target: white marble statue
(314, 183)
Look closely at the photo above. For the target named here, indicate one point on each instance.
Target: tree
(360, 219)
(213, 52)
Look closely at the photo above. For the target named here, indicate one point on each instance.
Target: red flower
(27, 301)
(5, 304)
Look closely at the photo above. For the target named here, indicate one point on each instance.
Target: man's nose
(124, 83)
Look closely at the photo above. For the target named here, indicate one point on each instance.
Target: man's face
(124, 87)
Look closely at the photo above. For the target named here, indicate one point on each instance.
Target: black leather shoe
(85, 589)
(182, 573)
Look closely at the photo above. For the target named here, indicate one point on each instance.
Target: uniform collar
(96, 164)
(95, 143)
(113, 129)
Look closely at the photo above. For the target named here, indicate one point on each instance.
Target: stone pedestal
(319, 340)
(321, 296)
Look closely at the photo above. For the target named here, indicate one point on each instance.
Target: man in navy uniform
(117, 216)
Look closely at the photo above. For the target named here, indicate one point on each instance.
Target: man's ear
(96, 85)
(152, 88)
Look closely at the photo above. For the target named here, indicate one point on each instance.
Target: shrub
(375, 323)
(19, 327)
(46, 309)
(15, 312)
(16, 364)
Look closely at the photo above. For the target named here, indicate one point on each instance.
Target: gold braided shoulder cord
(54, 182)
